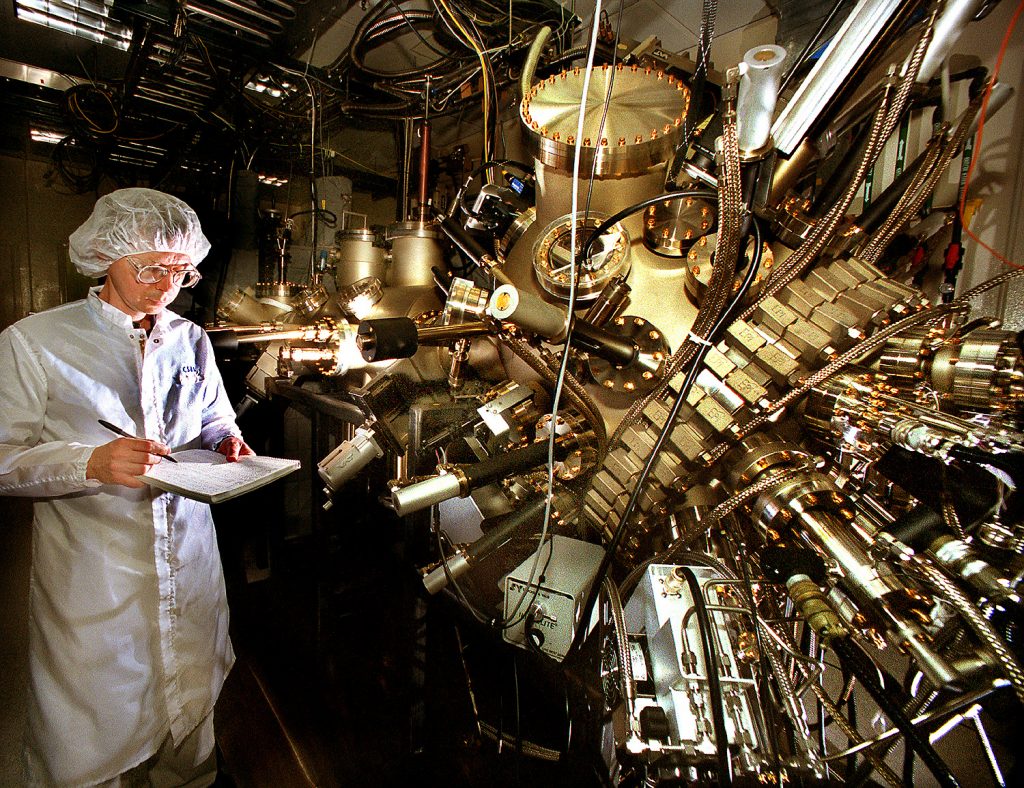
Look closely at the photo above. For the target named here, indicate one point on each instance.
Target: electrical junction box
(546, 614)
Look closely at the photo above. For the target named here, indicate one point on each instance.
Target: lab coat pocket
(184, 408)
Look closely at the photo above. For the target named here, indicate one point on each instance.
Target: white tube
(761, 74)
(948, 28)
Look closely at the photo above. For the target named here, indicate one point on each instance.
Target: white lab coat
(128, 620)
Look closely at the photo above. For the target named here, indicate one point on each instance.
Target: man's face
(137, 299)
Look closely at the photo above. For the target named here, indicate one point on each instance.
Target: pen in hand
(118, 431)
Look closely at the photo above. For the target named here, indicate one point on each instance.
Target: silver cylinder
(420, 495)
(348, 459)
(948, 27)
(758, 92)
(359, 255)
(241, 308)
(415, 249)
(437, 579)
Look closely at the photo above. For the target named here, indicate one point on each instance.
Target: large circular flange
(673, 226)
(309, 299)
(701, 258)
(516, 230)
(361, 296)
(552, 256)
(277, 291)
(643, 124)
(411, 230)
(649, 367)
(812, 492)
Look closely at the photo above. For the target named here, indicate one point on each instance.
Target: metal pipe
(274, 24)
(949, 26)
(423, 206)
(217, 17)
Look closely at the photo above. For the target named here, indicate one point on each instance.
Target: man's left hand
(233, 448)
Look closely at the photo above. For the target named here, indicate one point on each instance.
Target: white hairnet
(133, 221)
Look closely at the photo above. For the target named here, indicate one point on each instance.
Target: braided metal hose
(952, 519)
(980, 625)
(579, 397)
(723, 270)
(882, 126)
(922, 187)
(829, 705)
(823, 229)
(862, 348)
(783, 637)
(991, 284)
(728, 506)
(586, 401)
(872, 248)
(626, 680)
(790, 701)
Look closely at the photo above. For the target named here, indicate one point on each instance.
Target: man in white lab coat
(128, 627)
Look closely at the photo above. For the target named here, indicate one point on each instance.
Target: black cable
(695, 367)
(712, 667)
(416, 32)
(908, 766)
(602, 228)
(322, 215)
(860, 666)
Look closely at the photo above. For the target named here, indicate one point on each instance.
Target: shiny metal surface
(851, 42)
(647, 108)
(648, 369)
(700, 258)
(673, 226)
(761, 70)
(553, 257)
(415, 249)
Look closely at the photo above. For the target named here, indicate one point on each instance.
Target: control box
(545, 609)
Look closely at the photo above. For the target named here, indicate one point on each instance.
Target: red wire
(977, 142)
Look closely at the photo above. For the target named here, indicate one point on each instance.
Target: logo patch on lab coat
(189, 374)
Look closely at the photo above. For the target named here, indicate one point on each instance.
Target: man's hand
(121, 460)
(233, 448)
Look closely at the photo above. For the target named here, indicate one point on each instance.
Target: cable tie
(699, 339)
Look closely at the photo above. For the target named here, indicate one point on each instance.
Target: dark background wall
(37, 216)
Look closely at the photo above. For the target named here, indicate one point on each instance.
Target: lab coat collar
(118, 318)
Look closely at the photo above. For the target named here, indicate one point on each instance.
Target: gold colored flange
(644, 122)
(673, 226)
(700, 259)
(649, 367)
(553, 255)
